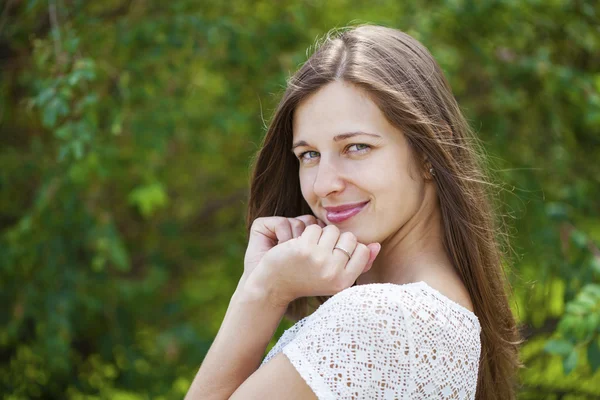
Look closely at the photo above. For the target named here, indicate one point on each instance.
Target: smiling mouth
(343, 214)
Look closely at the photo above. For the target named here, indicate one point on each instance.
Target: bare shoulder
(277, 379)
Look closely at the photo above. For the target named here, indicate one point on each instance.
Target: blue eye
(312, 154)
(356, 148)
(360, 147)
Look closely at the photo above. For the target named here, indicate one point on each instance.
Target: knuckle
(310, 218)
(361, 249)
(339, 284)
(303, 252)
(315, 228)
(332, 228)
(348, 236)
(257, 221)
(296, 223)
(330, 276)
(318, 258)
(281, 221)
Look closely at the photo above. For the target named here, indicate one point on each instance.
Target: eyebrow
(337, 138)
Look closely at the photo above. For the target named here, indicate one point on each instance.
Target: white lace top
(386, 341)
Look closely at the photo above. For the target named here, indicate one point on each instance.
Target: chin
(361, 236)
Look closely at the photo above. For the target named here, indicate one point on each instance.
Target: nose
(328, 179)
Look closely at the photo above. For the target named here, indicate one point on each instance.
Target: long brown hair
(409, 87)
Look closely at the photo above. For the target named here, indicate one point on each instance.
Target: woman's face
(356, 170)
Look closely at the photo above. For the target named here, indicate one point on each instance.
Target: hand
(267, 232)
(310, 265)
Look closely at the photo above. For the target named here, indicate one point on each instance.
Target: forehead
(336, 108)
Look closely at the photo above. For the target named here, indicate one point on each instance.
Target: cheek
(395, 191)
(378, 175)
(306, 180)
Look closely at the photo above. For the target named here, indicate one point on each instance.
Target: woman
(368, 177)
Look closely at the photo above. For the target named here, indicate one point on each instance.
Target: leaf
(566, 323)
(86, 102)
(64, 132)
(63, 152)
(77, 147)
(579, 238)
(593, 355)
(57, 107)
(74, 78)
(595, 264)
(148, 198)
(577, 308)
(592, 289)
(570, 362)
(559, 346)
(556, 211)
(586, 299)
(44, 96)
(118, 254)
(594, 320)
(31, 4)
(71, 44)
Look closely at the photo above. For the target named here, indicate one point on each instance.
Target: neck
(415, 252)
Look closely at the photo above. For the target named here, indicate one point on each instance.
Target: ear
(428, 171)
(423, 163)
(426, 166)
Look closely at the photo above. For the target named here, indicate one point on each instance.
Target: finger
(329, 237)
(307, 219)
(374, 249)
(281, 227)
(358, 262)
(346, 241)
(268, 227)
(297, 226)
(321, 223)
(311, 234)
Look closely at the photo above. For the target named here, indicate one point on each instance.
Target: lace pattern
(386, 341)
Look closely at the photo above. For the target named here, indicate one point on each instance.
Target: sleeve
(356, 346)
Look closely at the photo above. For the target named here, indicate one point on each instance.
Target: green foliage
(127, 130)
(579, 326)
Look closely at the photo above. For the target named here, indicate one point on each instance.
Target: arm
(249, 324)
(262, 297)
(251, 319)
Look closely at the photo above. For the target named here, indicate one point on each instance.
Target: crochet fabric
(386, 341)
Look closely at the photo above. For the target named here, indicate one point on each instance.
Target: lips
(341, 213)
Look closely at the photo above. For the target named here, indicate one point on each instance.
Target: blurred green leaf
(570, 362)
(593, 355)
(560, 347)
(148, 198)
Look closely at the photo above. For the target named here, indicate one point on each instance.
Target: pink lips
(341, 213)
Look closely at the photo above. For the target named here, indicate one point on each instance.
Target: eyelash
(301, 155)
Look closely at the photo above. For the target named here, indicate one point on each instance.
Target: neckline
(462, 309)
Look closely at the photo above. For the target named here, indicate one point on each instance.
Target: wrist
(255, 290)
